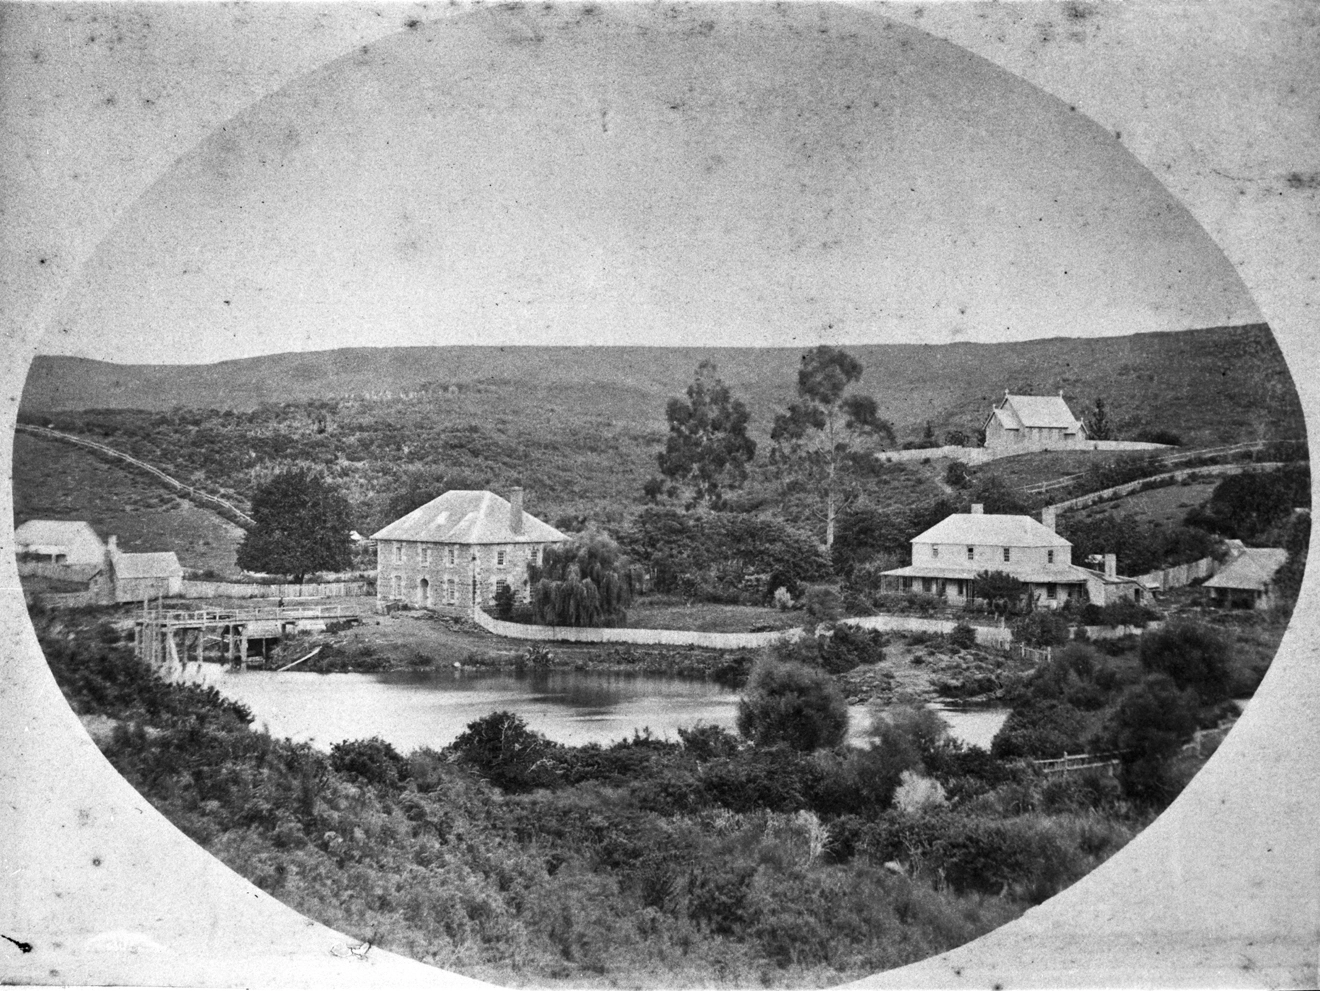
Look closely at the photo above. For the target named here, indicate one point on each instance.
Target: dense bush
(1148, 726)
(1140, 545)
(1250, 505)
(1040, 729)
(794, 705)
(727, 557)
(374, 761)
(963, 636)
(1042, 628)
(502, 749)
(1193, 655)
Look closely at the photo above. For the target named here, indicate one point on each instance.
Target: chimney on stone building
(978, 508)
(1048, 518)
(1111, 565)
(516, 510)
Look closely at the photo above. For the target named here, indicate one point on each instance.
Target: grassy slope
(57, 481)
(1209, 385)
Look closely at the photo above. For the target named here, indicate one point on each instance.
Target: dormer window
(934, 552)
(971, 553)
(1007, 554)
(1049, 557)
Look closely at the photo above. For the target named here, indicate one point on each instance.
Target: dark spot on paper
(96, 861)
(22, 946)
(1303, 180)
(412, 24)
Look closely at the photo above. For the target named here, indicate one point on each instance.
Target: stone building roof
(469, 517)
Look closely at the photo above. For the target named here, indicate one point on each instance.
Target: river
(416, 709)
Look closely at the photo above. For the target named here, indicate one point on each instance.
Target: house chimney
(1111, 566)
(1047, 518)
(978, 508)
(516, 510)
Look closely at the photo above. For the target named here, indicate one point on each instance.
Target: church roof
(469, 517)
(1037, 411)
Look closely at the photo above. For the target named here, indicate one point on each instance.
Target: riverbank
(648, 863)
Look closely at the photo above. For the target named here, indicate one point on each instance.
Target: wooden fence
(615, 634)
(225, 509)
(1226, 450)
(244, 590)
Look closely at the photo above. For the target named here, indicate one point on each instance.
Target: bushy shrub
(1042, 628)
(822, 603)
(1195, 656)
(374, 760)
(963, 636)
(792, 704)
(503, 750)
(1148, 726)
(848, 646)
(783, 599)
(1040, 729)
(708, 742)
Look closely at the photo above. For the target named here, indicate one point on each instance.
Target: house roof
(991, 528)
(468, 517)
(158, 564)
(1253, 569)
(53, 533)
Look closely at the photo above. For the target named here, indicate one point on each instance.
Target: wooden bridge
(170, 640)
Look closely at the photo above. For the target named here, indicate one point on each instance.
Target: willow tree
(586, 582)
(825, 441)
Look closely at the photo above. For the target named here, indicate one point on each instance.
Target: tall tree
(708, 448)
(824, 438)
(302, 526)
(1098, 424)
(586, 582)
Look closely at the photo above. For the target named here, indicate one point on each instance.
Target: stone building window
(1049, 558)
(398, 550)
(451, 556)
(501, 556)
(398, 585)
(451, 594)
(971, 553)
(426, 557)
(1051, 591)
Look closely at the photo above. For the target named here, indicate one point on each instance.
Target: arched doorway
(424, 590)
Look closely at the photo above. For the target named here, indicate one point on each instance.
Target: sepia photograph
(647, 495)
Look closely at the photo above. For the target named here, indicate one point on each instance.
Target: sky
(717, 175)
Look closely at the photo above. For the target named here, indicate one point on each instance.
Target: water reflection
(412, 709)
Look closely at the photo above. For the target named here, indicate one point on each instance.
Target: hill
(61, 482)
(1210, 385)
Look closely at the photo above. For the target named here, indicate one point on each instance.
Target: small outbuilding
(66, 542)
(135, 577)
(1247, 582)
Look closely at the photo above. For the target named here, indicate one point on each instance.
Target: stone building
(1033, 423)
(457, 550)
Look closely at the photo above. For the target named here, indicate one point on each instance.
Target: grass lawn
(657, 612)
(1166, 506)
(54, 481)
